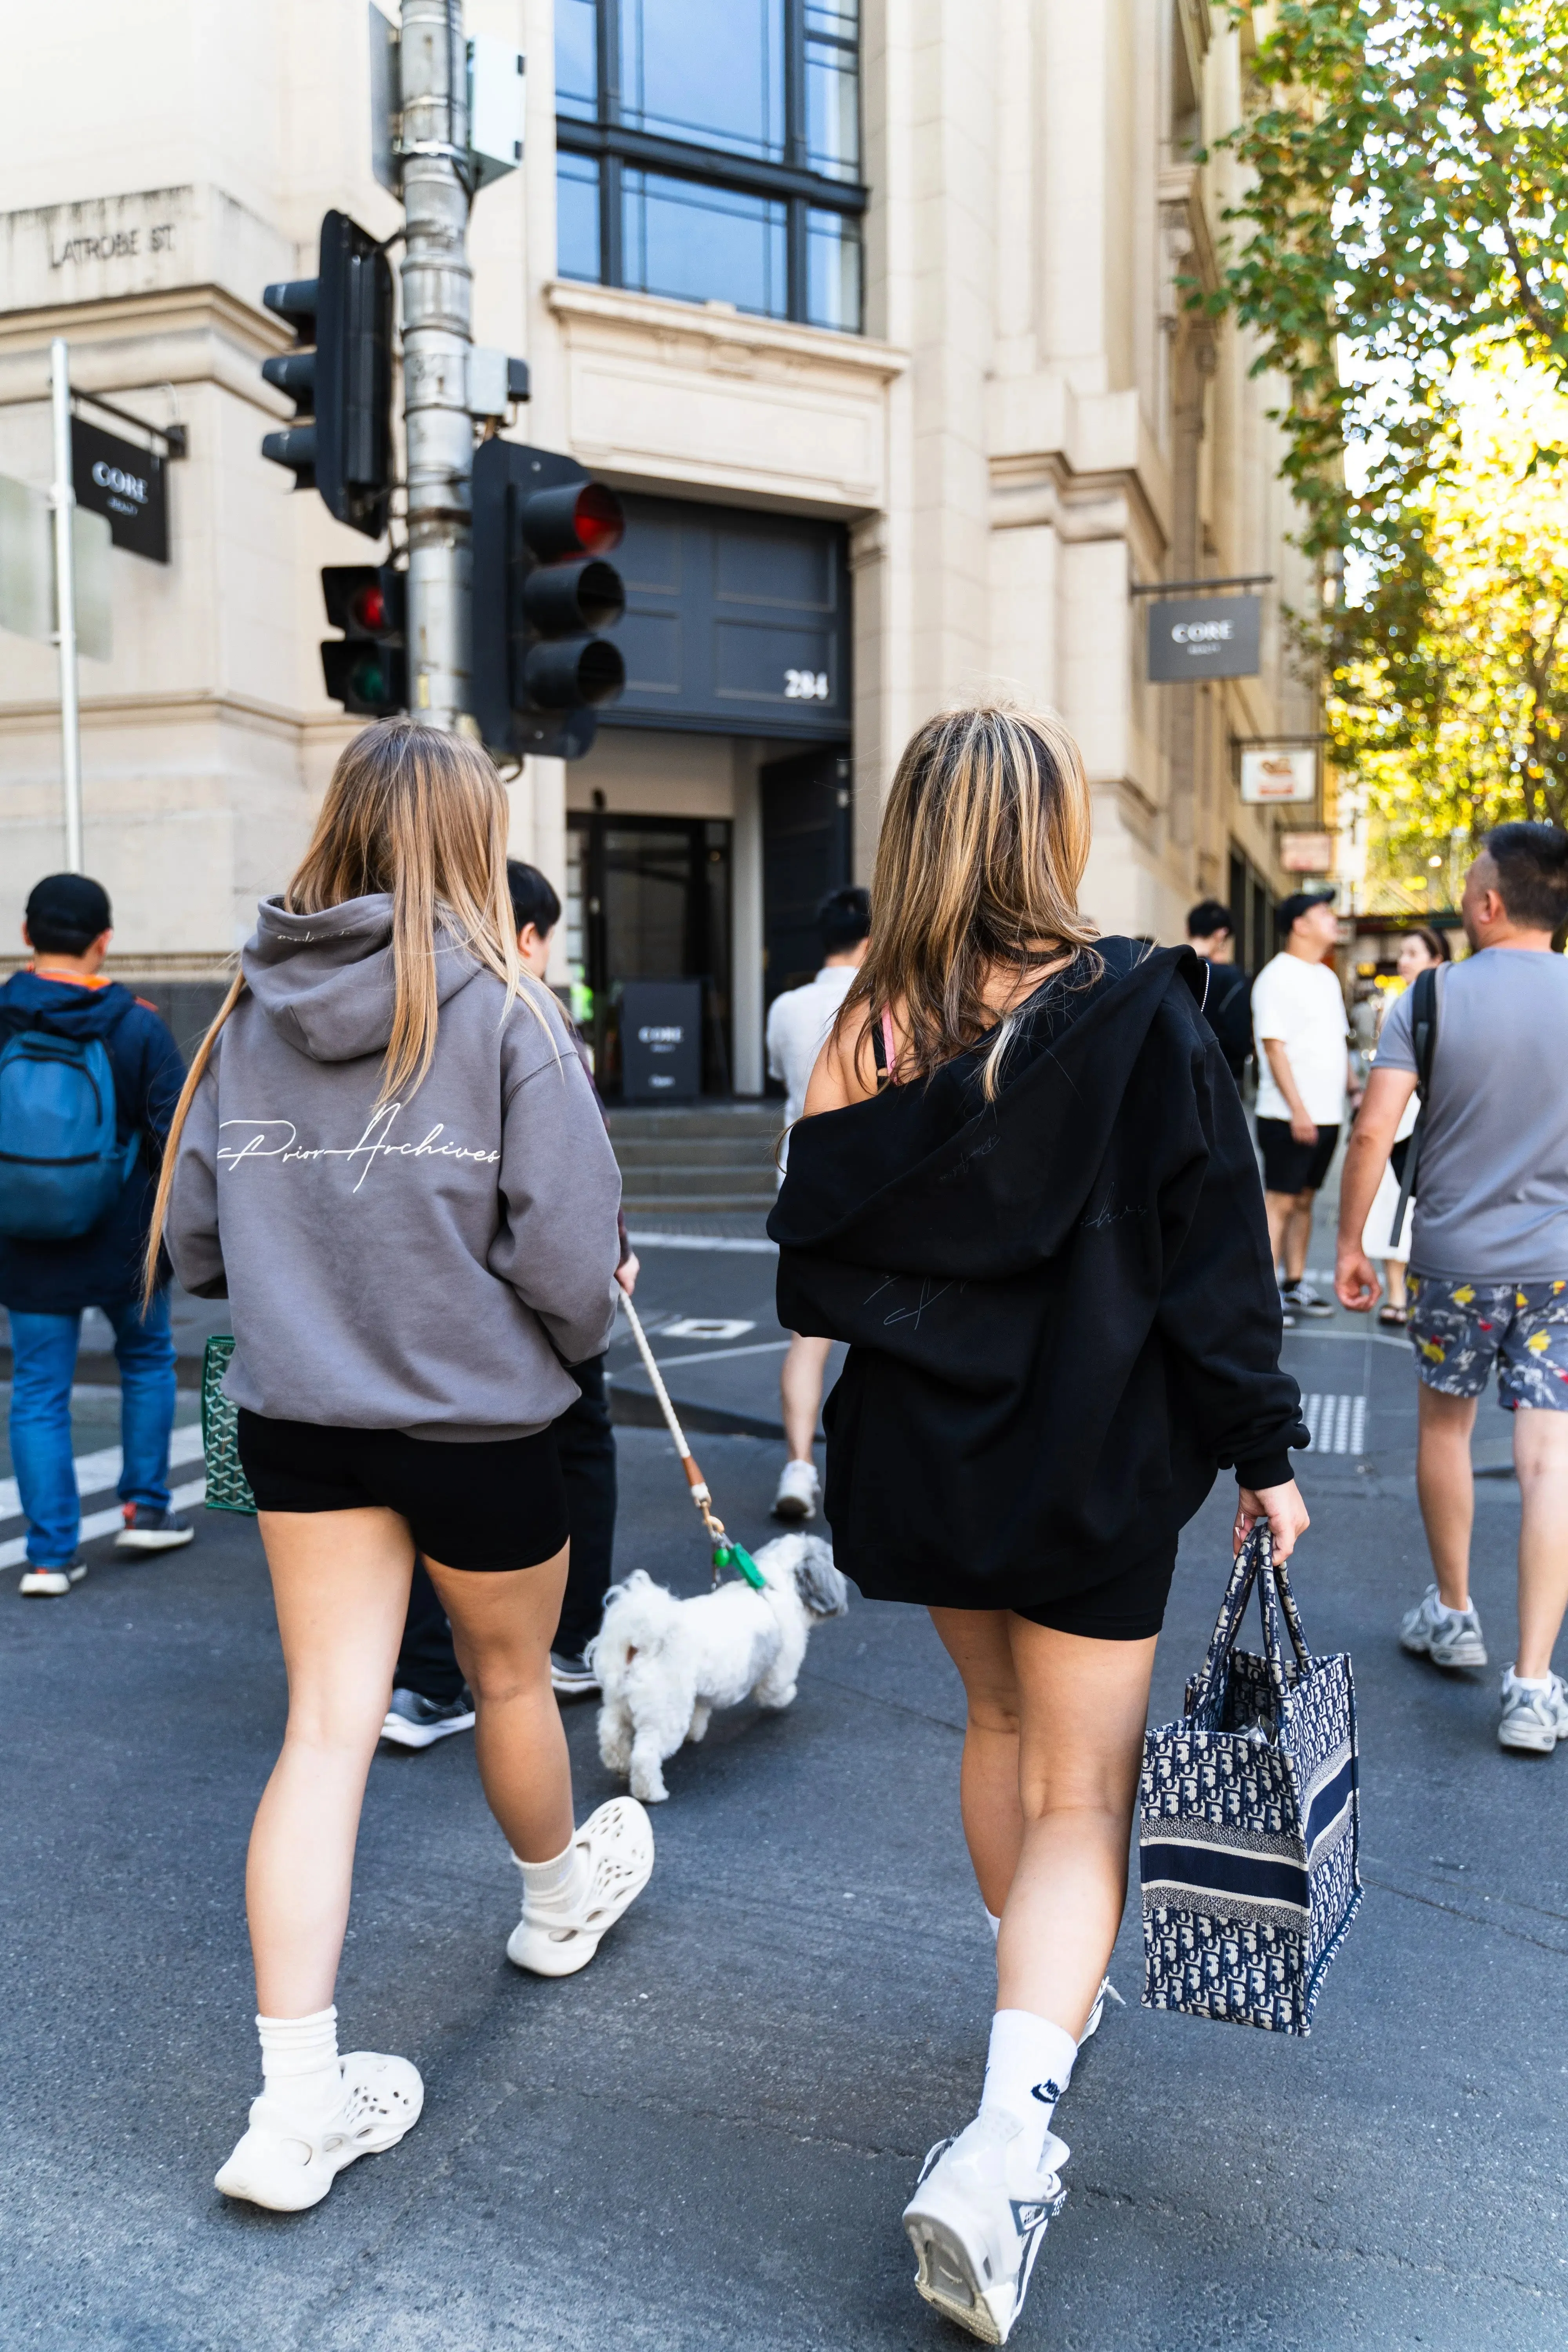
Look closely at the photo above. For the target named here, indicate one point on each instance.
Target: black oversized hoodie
(1060, 1306)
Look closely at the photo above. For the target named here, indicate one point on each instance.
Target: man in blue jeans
(45, 1285)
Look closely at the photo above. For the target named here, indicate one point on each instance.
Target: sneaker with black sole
(1449, 1637)
(149, 1530)
(415, 1721)
(977, 2220)
(52, 1580)
(799, 1493)
(571, 1675)
(1300, 1299)
(1533, 1721)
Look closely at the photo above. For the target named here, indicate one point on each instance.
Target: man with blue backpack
(88, 1080)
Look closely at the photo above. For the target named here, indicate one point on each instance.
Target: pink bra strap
(889, 1052)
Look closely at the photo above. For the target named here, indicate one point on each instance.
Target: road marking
(1337, 1422)
(699, 1242)
(718, 1355)
(707, 1327)
(94, 1472)
(104, 1523)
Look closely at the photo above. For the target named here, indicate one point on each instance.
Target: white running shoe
(52, 1580)
(1533, 1721)
(619, 1843)
(799, 1494)
(287, 2164)
(1449, 1637)
(977, 2218)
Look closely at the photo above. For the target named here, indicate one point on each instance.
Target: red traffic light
(598, 520)
(573, 518)
(367, 610)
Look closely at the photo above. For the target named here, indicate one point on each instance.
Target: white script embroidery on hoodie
(278, 1138)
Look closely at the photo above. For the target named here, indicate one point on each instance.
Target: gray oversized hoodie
(430, 1267)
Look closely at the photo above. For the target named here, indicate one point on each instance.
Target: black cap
(1298, 904)
(66, 912)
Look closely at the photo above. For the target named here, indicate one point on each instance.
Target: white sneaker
(618, 1843)
(977, 2218)
(287, 2164)
(800, 1491)
(1532, 1720)
(1449, 1637)
(53, 1581)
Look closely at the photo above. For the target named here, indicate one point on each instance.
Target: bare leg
(502, 1626)
(340, 1580)
(976, 1641)
(800, 1392)
(1393, 1281)
(1541, 1460)
(1079, 1707)
(1298, 1235)
(1444, 1483)
(1279, 1208)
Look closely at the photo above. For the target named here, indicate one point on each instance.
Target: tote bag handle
(1254, 1563)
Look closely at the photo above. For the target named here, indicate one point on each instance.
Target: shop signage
(127, 484)
(661, 1040)
(1307, 853)
(1205, 636)
(1278, 776)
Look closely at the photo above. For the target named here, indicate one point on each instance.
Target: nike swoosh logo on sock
(1047, 2092)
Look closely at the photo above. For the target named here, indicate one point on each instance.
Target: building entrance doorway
(648, 898)
(807, 851)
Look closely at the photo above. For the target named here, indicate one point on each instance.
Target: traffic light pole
(62, 497)
(436, 334)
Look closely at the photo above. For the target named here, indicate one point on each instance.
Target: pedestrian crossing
(1337, 1422)
(94, 1473)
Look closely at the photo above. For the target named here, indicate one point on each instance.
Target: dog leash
(727, 1553)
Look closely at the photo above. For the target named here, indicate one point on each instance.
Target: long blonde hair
(983, 843)
(421, 816)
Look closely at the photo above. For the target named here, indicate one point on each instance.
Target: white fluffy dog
(665, 1664)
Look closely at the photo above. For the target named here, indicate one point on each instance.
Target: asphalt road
(705, 2140)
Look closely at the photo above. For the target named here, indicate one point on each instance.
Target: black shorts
(1290, 1166)
(1130, 1608)
(487, 1508)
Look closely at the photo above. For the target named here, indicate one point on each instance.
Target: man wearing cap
(45, 1285)
(1301, 1039)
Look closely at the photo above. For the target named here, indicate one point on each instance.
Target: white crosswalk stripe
(1337, 1423)
(105, 1523)
(94, 1472)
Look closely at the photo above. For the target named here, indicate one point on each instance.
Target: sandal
(1394, 1317)
(619, 1843)
(287, 2164)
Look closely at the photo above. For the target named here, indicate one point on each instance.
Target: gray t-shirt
(1492, 1198)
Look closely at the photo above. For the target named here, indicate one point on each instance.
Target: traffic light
(343, 385)
(366, 670)
(543, 594)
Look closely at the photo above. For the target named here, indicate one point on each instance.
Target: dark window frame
(616, 145)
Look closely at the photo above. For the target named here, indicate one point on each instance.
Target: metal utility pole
(62, 497)
(436, 334)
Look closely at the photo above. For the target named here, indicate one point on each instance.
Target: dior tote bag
(228, 1487)
(1249, 1819)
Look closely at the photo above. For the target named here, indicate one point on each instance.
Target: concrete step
(691, 1204)
(744, 1154)
(754, 1183)
(740, 1122)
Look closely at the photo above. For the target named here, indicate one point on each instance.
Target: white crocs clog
(618, 1841)
(287, 2164)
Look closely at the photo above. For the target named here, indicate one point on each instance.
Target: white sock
(1444, 1609)
(1027, 2066)
(555, 1886)
(299, 2063)
(996, 1925)
(1527, 1682)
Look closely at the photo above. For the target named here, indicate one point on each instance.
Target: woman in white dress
(1417, 949)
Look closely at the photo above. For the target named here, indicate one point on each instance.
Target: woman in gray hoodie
(387, 1156)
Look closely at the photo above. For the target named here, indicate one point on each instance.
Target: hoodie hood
(999, 1191)
(325, 982)
(66, 1007)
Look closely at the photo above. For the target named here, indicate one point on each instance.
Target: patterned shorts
(1461, 1328)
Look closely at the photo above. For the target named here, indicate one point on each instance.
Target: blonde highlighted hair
(983, 843)
(422, 817)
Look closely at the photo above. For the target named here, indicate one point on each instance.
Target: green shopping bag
(228, 1487)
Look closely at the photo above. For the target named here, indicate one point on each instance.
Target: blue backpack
(61, 1166)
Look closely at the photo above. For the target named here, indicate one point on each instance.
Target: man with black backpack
(88, 1080)
(1488, 1164)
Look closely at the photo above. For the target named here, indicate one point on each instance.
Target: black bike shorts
(1290, 1166)
(485, 1507)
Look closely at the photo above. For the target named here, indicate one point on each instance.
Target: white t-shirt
(1300, 1005)
(798, 1023)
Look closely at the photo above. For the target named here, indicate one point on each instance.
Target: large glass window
(710, 150)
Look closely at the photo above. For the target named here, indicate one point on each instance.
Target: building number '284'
(805, 686)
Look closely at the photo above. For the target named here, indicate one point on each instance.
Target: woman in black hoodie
(1023, 1192)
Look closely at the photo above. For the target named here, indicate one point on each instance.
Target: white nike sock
(554, 1888)
(1027, 2066)
(996, 1925)
(299, 2063)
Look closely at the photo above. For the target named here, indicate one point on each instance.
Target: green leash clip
(736, 1555)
